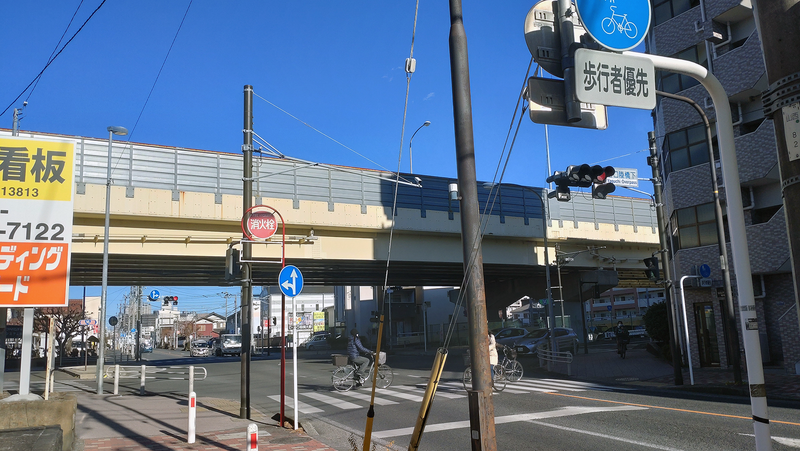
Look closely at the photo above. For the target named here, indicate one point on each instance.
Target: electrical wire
(39, 78)
(152, 88)
(54, 57)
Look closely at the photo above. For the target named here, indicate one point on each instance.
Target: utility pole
(481, 407)
(138, 322)
(780, 39)
(247, 251)
(662, 240)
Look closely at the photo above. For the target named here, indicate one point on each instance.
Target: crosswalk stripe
(544, 386)
(301, 406)
(588, 385)
(365, 397)
(513, 391)
(400, 395)
(439, 391)
(344, 405)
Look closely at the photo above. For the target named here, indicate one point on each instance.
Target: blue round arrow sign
(616, 26)
(290, 281)
(154, 295)
(705, 270)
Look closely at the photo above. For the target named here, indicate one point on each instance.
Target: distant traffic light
(582, 176)
(600, 187)
(173, 299)
(233, 268)
(652, 271)
(274, 321)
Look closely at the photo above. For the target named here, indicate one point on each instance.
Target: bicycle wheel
(608, 25)
(467, 379)
(513, 370)
(385, 376)
(630, 30)
(342, 378)
(498, 379)
(624, 350)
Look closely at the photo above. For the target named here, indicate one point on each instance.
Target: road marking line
(344, 405)
(610, 437)
(536, 386)
(301, 406)
(562, 412)
(586, 384)
(439, 391)
(407, 396)
(671, 408)
(793, 442)
(363, 397)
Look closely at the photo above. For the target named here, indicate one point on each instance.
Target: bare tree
(66, 323)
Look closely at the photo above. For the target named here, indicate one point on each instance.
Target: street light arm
(410, 159)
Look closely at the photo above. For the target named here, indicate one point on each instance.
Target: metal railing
(144, 372)
(549, 358)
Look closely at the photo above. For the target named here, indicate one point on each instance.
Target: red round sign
(261, 225)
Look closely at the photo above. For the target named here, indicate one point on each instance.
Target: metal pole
(283, 356)
(728, 313)
(410, 159)
(104, 289)
(686, 328)
(138, 351)
(247, 253)
(481, 406)
(780, 39)
(294, 358)
(741, 256)
(662, 239)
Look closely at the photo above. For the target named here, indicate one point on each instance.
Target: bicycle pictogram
(620, 23)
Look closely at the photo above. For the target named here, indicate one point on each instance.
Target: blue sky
(336, 66)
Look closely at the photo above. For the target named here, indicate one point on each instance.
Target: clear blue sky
(337, 66)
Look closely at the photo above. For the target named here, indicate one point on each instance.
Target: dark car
(595, 333)
(566, 338)
(509, 335)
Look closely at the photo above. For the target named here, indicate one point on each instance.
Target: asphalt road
(541, 412)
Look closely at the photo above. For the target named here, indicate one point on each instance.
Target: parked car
(145, 346)
(200, 348)
(637, 331)
(566, 339)
(318, 342)
(509, 335)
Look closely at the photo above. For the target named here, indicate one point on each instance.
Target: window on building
(694, 226)
(672, 82)
(664, 10)
(686, 148)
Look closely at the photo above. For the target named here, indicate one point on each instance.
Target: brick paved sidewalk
(233, 440)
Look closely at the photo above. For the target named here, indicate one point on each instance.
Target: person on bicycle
(623, 336)
(354, 348)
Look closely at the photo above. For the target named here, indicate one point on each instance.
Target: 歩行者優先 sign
(36, 204)
(615, 80)
(625, 177)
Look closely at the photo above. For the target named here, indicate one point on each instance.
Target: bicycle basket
(339, 359)
(382, 358)
(510, 353)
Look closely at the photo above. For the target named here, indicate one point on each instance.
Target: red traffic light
(600, 174)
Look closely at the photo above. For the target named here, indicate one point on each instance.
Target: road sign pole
(247, 253)
(294, 358)
(738, 233)
(572, 106)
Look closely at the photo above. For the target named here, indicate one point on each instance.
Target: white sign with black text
(615, 80)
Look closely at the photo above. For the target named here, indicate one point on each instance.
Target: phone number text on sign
(36, 182)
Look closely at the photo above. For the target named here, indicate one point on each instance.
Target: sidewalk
(135, 423)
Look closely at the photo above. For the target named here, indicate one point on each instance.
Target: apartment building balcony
(688, 187)
(678, 33)
(756, 153)
(741, 69)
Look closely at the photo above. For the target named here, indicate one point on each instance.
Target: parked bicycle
(344, 377)
(511, 367)
(498, 376)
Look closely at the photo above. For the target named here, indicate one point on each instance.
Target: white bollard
(141, 382)
(252, 437)
(116, 379)
(192, 416)
(191, 378)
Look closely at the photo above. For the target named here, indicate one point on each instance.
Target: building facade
(721, 35)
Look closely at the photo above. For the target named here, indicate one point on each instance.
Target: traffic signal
(233, 268)
(600, 187)
(173, 299)
(652, 272)
(274, 321)
(562, 182)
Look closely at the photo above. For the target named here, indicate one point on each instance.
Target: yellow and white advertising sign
(36, 197)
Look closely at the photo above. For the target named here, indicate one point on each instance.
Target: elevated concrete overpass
(174, 212)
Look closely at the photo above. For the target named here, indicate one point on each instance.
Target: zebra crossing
(318, 402)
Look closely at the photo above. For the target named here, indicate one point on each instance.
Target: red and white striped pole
(192, 416)
(252, 437)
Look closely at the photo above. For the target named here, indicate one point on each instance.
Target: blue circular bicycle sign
(619, 26)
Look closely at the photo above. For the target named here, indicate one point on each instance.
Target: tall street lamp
(122, 131)
(410, 159)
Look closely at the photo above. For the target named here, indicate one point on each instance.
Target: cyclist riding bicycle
(623, 336)
(354, 348)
